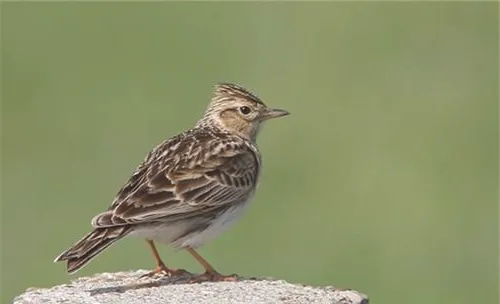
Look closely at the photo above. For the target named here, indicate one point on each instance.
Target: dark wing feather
(175, 183)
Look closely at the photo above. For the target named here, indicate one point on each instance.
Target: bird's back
(194, 171)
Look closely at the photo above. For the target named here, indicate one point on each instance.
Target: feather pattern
(167, 188)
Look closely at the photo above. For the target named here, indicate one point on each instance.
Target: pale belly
(175, 234)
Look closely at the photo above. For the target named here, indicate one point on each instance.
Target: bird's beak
(273, 113)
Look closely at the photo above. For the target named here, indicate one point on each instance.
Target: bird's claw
(214, 277)
(165, 271)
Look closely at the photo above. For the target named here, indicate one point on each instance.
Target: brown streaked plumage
(190, 188)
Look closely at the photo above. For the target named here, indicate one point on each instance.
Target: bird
(190, 188)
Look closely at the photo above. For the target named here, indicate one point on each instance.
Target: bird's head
(238, 111)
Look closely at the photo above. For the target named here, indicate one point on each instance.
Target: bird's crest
(224, 91)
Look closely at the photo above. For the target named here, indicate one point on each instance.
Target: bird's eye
(244, 110)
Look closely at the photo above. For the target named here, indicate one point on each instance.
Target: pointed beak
(273, 113)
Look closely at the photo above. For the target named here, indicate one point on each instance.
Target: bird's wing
(180, 179)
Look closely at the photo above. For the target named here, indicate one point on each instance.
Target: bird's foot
(165, 271)
(214, 276)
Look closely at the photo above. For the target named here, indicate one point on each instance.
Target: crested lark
(190, 188)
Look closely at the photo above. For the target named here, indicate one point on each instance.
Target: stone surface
(126, 287)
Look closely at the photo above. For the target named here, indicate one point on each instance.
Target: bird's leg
(210, 273)
(160, 266)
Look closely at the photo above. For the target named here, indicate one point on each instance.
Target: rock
(126, 287)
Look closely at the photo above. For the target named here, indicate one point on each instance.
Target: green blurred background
(384, 179)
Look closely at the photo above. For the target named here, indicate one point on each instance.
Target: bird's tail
(91, 245)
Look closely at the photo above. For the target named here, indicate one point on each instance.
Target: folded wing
(169, 187)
